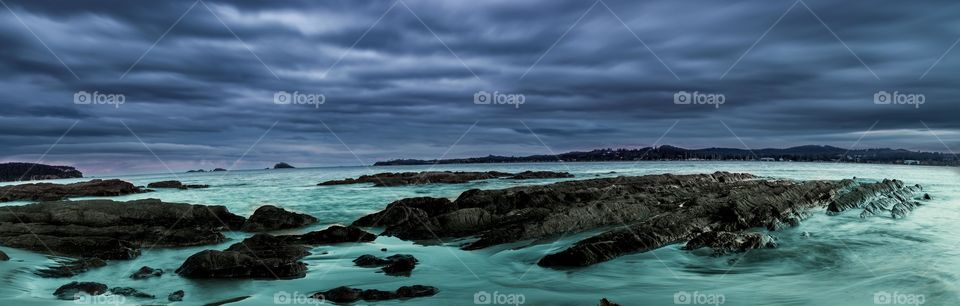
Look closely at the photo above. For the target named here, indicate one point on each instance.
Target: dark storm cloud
(203, 94)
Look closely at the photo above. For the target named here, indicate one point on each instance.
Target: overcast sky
(399, 78)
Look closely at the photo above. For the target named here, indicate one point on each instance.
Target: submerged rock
(131, 292)
(112, 230)
(73, 290)
(269, 218)
(70, 267)
(146, 272)
(176, 296)
(395, 265)
(227, 301)
(349, 295)
(657, 210)
(55, 192)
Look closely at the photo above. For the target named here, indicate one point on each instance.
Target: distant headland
(808, 153)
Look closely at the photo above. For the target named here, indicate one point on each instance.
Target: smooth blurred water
(844, 261)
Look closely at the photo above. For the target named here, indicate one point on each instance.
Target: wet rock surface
(55, 192)
(441, 177)
(657, 210)
(349, 295)
(726, 242)
(176, 296)
(269, 218)
(70, 267)
(72, 290)
(175, 185)
(4, 256)
(265, 256)
(395, 265)
(131, 292)
(146, 272)
(112, 230)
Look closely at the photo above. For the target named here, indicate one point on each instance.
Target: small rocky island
(31, 172)
(389, 179)
(283, 166)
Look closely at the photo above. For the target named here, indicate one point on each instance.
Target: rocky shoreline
(651, 212)
(389, 179)
(724, 212)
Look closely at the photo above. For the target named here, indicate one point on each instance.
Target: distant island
(809, 153)
(10, 172)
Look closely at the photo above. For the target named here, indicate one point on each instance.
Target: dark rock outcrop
(283, 166)
(331, 235)
(175, 185)
(349, 295)
(269, 218)
(261, 256)
(419, 178)
(396, 265)
(55, 192)
(606, 302)
(218, 170)
(29, 172)
(4, 256)
(176, 296)
(69, 267)
(227, 301)
(112, 230)
(72, 290)
(529, 175)
(146, 272)
(265, 256)
(131, 292)
(647, 212)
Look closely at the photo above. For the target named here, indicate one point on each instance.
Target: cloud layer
(400, 77)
